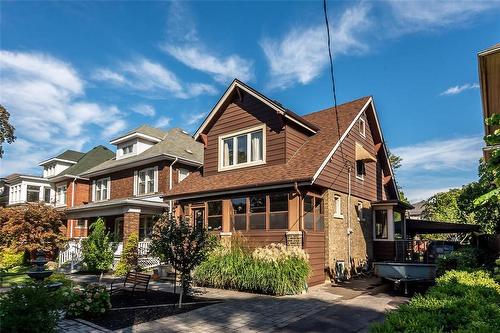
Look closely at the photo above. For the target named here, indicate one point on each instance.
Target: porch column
(130, 222)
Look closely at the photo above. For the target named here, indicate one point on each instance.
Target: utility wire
(332, 76)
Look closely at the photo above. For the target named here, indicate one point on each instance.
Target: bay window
(101, 189)
(242, 149)
(214, 217)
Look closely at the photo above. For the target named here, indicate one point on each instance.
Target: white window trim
(155, 180)
(58, 203)
(338, 212)
(221, 138)
(360, 177)
(362, 125)
(108, 189)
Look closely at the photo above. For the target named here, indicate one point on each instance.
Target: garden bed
(128, 309)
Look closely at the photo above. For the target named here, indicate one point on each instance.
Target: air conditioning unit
(340, 271)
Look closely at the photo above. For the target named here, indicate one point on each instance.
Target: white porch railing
(72, 253)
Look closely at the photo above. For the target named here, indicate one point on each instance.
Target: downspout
(72, 205)
(349, 229)
(171, 184)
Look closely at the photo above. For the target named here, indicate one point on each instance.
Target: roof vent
(189, 151)
(183, 131)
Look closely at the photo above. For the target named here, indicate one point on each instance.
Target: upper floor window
(61, 195)
(362, 127)
(360, 169)
(33, 193)
(183, 173)
(241, 149)
(102, 189)
(146, 181)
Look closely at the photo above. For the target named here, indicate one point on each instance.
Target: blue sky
(75, 74)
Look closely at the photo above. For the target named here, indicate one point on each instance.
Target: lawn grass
(19, 277)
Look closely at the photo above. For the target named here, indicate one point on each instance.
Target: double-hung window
(61, 195)
(102, 189)
(360, 169)
(337, 201)
(146, 181)
(33, 193)
(241, 149)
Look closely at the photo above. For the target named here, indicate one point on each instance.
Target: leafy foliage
(29, 308)
(6, 129)
(444, 207)
(129, 258)
(31, 227)
(96, 249)
(181, 245)
(10, 258)
(460, 302)
(91, 301)
(395, 160)
(272, 270)
(464, 259)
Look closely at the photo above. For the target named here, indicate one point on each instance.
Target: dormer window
(241, 149)
(362, 127)
(128, 149)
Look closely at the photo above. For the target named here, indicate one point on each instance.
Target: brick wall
(336, 230)
(82, 192)
(130, 224)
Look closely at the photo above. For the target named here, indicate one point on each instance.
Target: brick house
(321, 181)
(126, 190)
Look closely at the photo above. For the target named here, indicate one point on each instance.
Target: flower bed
(274, 269)
(460, 302)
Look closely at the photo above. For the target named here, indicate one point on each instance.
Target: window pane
(46, 195)
(278, 202)
(308, 221)
(278, 220)
(142, 182)
(256, 146)
(242, 149)
(360, 168)
(318, 206)
(33, 194)
(239, 222)
(214, 208)
(308, 204)
(381, 224)
(258, 221)
(320, 222)
(258, 203)
(151, 181)
(228, 152)
(214, 222)
(239, 205)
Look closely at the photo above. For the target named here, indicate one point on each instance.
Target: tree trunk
(182, 291)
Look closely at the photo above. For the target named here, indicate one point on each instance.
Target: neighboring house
(417, 211)
(71, 189)
(126, 190)
(4, 192)
(489, 78)
(308, 181)
(29, 188)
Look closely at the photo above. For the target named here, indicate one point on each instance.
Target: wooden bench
(133, 281)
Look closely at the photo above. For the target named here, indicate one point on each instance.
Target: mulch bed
(120, 318)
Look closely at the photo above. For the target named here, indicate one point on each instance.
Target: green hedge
(237, 269)
(459, 302)
(10, 258)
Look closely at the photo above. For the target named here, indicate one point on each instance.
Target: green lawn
(8, 280)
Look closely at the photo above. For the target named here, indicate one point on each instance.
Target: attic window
(362, 127)
(128, 149)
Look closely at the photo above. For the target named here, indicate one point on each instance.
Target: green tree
(444, 207)
(96, 249)
(130, 258)
(493, 164)
(6, 129)
(181, 245)
(394, 159)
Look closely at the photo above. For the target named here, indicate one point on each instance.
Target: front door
(199, 217)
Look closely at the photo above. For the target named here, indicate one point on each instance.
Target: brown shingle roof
(301, 167)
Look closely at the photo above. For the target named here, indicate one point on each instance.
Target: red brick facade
(130, 224)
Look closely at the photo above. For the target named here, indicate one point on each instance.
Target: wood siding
(295, 138)
(383, 251)
(238, 116)
(314, 245)
(335, 174)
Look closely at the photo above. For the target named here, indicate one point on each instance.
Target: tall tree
(445, 207)
(394, 159)
(6, 129)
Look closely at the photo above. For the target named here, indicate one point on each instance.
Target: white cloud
(459, 89)
(195, 118)
(413, 16)
(144, 109)
(163, 122)
(151, 78)
(183, 44)
(302, 54)
(458, 153)
(419, 194)
(46, 99)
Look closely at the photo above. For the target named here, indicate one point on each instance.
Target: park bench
(134, 281)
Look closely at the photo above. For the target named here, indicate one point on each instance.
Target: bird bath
(38, 272)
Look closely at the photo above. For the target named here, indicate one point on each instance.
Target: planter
(164, 271)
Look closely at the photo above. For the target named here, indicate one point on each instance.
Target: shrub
(460, 302)
(10, 258)
(59, 277)
(464, 259)
(129, 258)
(96, 249)
(91, 301)
(29, 308)
(274, 270)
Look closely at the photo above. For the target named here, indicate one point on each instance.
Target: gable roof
(92, 158)
(71, 156)
(144, 131)
(303, 167)
(238, 87)
(175, 144)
